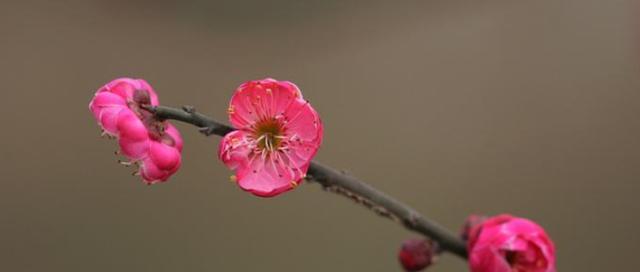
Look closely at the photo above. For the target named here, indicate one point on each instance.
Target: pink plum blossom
(510, 244)
(153, 145)
(278, 134)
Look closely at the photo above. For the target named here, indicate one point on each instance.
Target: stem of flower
(338, 182)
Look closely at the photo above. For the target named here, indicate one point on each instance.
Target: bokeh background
(456, 107)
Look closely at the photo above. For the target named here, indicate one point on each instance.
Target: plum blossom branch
(337, 182)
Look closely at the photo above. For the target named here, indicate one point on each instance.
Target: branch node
(412, 219)
(207, 131)
(189, 109)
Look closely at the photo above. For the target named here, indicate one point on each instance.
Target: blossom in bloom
(417, 254)
(278, 133)
(152, 144)
(510, 244)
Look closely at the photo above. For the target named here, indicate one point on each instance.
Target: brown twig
(337, 182)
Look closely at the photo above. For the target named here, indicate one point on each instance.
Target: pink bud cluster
(155, 146)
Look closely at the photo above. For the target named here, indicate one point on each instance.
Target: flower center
(268, 134)
(532, 260)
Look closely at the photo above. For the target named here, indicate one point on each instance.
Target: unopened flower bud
(416, 254)
(152, 145)
(508, 243)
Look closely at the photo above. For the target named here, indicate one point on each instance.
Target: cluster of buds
(153, 145)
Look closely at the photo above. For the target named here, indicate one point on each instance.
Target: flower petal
(302, 121)
(263, 179)
(108, 119)
(260, 99)
(150, 172)
(123, 87)
(233, 150)
(134, 149)
(131, 127)
(105, 100)
(133, 136)
(291, 88)
(488, 259)
(163, 156)
(301, 153)
(175, 135)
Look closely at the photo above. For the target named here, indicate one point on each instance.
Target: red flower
(510, 244)
(278, 133)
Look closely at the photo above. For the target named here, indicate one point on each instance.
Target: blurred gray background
(456, 107)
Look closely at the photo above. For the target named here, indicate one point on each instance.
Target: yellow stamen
(233, 178)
